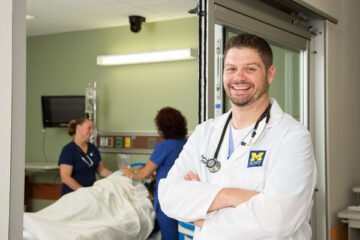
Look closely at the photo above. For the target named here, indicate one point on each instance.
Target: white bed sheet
(111, 209)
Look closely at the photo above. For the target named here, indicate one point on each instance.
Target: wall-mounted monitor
(57, 111)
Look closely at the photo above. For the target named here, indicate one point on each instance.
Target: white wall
(5, 121)
(343, 85)
(12, 120)
(330, 7)
(343, 100)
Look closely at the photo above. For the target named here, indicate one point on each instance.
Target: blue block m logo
(256, 158)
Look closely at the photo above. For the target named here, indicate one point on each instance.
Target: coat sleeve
(284, 204)
(186, 200)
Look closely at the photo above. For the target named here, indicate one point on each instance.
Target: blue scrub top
(72, 155)
(164, 155)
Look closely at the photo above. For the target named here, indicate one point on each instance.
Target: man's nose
(239, 75)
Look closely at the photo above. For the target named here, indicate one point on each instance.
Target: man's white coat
(285, 180)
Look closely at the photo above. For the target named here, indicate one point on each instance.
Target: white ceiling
(55, 16)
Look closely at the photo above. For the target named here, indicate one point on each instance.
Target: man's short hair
(246, 40)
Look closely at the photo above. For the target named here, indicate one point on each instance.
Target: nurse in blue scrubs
(80, 160)
(171, 125)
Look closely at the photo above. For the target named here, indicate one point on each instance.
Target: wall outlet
(127, 142)
(103, 141)
(110, 142)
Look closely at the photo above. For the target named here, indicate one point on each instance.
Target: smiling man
(250, 173)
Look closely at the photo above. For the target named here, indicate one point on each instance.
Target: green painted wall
(128, 96)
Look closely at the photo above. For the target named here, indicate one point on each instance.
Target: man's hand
(190, 176)
(227, 197)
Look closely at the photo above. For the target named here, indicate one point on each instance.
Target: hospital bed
(113, 208)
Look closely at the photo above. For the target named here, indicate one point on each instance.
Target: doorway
(298, 74)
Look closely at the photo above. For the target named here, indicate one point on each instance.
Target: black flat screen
(57, 111)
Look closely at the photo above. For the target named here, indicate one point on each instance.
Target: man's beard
(251, 98)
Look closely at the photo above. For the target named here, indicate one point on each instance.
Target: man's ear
(271, 74)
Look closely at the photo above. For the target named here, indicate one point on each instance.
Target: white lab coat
(285, 182)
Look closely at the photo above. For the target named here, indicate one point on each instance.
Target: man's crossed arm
(227, 197)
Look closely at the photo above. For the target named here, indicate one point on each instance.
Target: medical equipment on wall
(90, 107)
(218, 71)
(90, 100)
(213, 164)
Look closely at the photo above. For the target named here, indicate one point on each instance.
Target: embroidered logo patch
(256, 158)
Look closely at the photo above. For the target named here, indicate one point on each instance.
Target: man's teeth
(240, 88)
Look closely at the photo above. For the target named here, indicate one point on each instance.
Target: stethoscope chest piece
(212, 164)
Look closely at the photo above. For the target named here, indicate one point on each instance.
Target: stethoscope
(87, 159)
(212, 163)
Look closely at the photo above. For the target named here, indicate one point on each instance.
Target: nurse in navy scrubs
(80, 160)
(171, 125)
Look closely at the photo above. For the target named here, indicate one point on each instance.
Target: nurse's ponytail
(73, 123)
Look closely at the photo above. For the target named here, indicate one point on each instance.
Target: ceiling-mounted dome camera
(135, 23)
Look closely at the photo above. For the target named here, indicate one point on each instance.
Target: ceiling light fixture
(29, 17)
(147, 57)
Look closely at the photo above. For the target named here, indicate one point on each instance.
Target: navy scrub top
(72, 155)
(164, 155)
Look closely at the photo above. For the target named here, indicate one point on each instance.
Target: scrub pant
(168, 226)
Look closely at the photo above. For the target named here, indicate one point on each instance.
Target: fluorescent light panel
(146, 57)
(28, 17)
